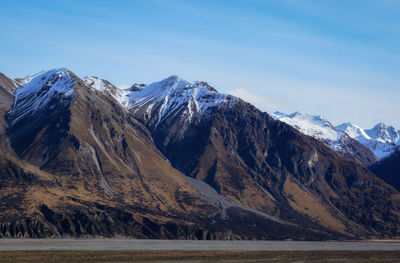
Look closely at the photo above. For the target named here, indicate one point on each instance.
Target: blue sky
(339, 59)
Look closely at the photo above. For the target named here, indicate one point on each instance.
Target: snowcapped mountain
(312, 125)
(166, 98)
(38, 91)
(173, 95)
(381, 139)
(160, 100)
(322, 130)
(80, 148)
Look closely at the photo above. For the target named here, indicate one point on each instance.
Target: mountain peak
(380, 125)
(28, 78)
(57, 78)
(173, 78)
(171, 81)
(38, 90)
(173, 95)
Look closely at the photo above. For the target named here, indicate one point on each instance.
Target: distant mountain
(382, 140)
(321, 129)
(172, 159)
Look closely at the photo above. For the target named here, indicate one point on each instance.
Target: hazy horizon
(340, 59)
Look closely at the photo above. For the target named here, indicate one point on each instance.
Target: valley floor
(129, 250)
(191, 245)
(199, 256)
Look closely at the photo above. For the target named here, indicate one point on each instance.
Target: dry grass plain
(199, 256)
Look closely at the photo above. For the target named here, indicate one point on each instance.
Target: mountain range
(173, 159)
(381, 140)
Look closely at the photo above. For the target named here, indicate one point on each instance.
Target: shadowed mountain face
(265, 164)
(82, 160)
(388, 169)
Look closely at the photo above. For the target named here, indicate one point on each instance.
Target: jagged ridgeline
(173, 159)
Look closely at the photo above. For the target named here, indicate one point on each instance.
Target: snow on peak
(28, 78)
(95, 83)
(383, 133)
(353, 130)
(37, 90)
(311, 125)
(165, 97)
(173, 94)
(381, 139)
(104, 86)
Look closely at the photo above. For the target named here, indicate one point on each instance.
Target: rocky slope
(80, 165)
(92, 166)
(88, 159)
(261, 163)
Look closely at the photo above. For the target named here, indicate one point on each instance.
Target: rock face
(388, 169)
(84, 158)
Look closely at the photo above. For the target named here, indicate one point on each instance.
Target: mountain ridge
(240, 138)
(381, 140)
(91, 154)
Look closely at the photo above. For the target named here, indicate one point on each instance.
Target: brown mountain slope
(95, 156)
(267, 165)
(7, 87)
(85, 167)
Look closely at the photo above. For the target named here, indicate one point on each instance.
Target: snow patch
(101, 85)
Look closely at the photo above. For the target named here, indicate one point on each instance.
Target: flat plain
(129, 250)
